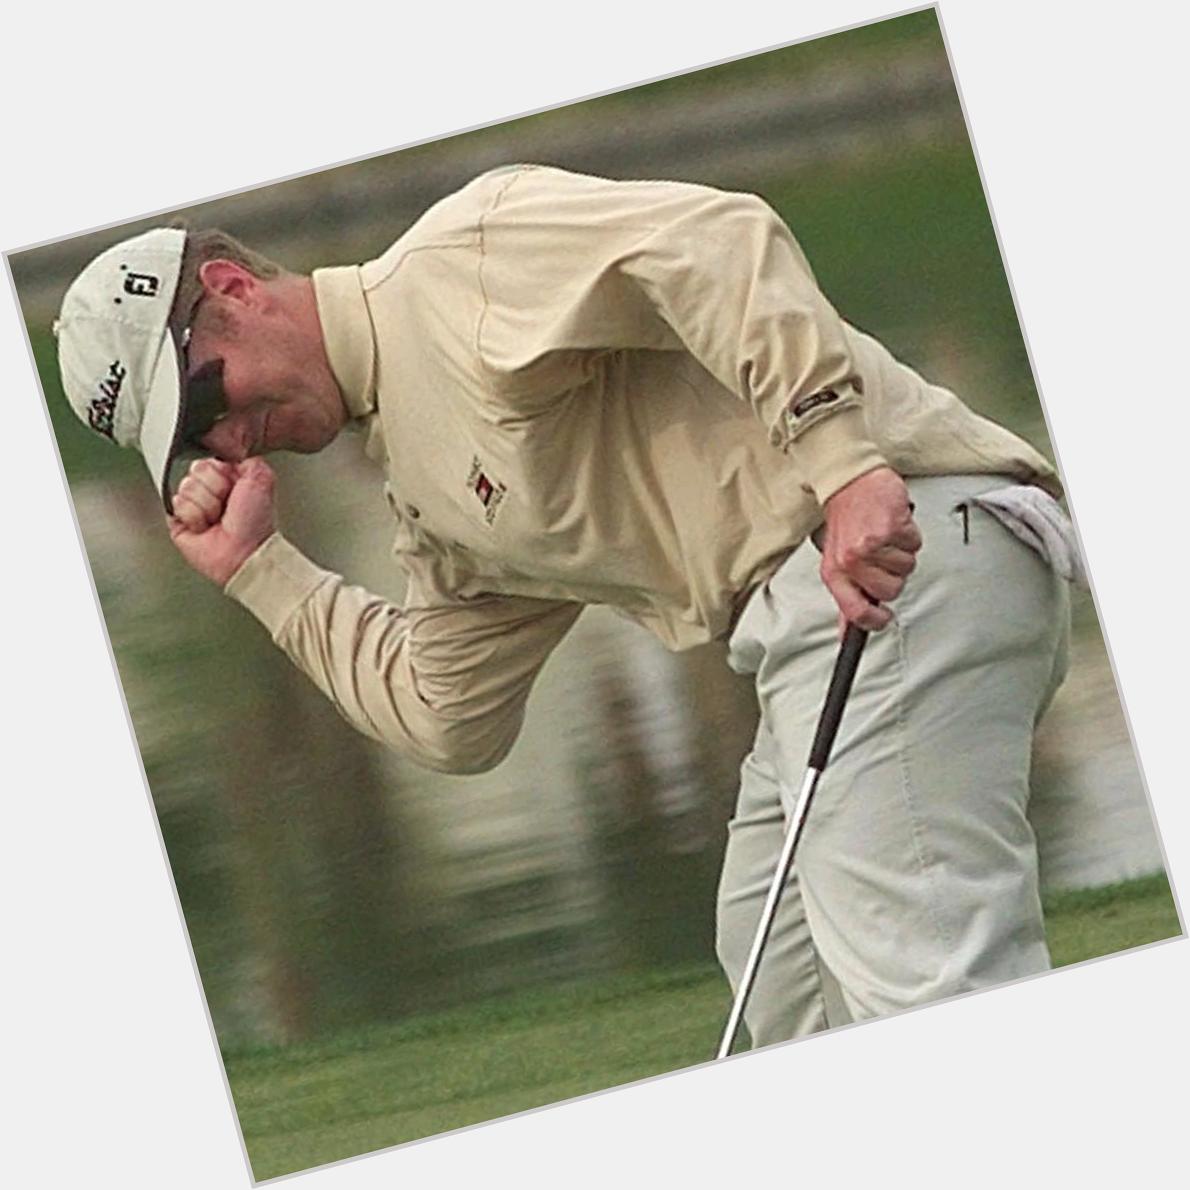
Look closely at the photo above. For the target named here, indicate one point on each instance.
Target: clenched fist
(870, 546)
(222, 513)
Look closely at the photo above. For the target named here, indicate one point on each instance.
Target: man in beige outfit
(633, 394)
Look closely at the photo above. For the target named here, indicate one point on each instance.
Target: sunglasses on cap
(204, 403)
(205, 400)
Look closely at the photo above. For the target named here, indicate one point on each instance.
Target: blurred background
(326, 883)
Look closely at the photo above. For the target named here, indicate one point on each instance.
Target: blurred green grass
(852, 51)
(860, 54)
(1090, 922)
(305, 1105)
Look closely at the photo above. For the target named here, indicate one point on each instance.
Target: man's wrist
(229, 568)
(835, 451)
(274, 581)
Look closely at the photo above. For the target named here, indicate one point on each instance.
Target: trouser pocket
(1034, 518)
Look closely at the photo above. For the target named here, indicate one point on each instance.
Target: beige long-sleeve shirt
(585, 392)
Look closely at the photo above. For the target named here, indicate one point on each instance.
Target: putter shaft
(784, 864)
(824, 737)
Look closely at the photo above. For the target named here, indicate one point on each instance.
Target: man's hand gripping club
(869, 546)
(223, 512)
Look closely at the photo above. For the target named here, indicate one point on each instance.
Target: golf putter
(846, 664)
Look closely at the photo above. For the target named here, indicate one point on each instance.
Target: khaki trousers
(916, 875)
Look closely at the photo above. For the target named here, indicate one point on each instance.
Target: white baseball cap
(119, 355)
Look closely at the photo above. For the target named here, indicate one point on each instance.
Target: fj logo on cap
(141, 284)
(101, 413)
(490, 491)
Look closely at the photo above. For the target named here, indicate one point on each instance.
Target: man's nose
(224, 447)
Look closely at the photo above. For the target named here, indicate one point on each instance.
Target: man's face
(258, 370)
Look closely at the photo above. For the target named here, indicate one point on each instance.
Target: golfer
(634, 394)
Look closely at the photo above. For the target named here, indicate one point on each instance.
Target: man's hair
(213, 244)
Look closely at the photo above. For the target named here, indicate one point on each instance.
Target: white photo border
(1075, 118)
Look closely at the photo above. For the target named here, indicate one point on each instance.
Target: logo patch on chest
(488, 491)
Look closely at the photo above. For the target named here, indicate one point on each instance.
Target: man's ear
(229, 280)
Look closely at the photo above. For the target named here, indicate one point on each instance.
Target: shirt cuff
(834, 451)
(274, 581)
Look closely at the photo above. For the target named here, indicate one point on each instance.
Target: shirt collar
(347, 333)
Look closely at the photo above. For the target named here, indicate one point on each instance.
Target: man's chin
(312, 444)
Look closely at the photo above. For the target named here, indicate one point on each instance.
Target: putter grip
(846, 664)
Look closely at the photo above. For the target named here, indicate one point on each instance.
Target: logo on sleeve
(823, 397)
(490, 492)
(101, 413)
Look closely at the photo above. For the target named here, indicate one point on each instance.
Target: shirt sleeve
(445, 685)
(571, 263)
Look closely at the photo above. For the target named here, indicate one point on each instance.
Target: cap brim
(161, 426)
